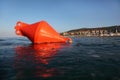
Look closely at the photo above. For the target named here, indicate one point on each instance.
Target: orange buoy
(40, 32)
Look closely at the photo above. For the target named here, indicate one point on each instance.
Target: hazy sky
(62, 15)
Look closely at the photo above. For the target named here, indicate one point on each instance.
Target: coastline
(111, 31)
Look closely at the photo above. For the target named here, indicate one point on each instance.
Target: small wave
(6, 44)
(96, 56)
(91, 52)
(2, 39)
(22, 39)
(90, 44)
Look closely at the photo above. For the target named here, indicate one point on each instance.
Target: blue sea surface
(87, 58)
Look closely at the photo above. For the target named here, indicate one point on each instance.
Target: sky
(62, 15)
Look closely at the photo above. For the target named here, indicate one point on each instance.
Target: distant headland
(100, 31)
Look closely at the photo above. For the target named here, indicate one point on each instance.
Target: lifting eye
(18, 24)
(18, 32)
(68, 40)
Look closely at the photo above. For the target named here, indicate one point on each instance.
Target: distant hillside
(100, 31)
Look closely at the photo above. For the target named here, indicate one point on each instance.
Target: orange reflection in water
(34, 60)
(46, 51)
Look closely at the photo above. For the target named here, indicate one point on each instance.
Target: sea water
(87, 58)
